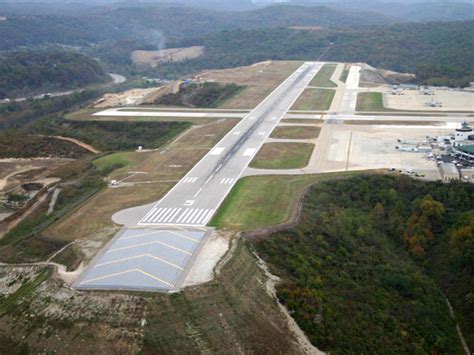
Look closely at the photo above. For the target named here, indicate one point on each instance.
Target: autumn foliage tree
(427, 214)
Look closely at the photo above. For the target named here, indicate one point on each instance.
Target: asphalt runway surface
(196, 197)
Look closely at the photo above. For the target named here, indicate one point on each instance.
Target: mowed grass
(370, 102)
(314, 100)
(261, 201)
(296, 132)
(93, 218)
(323, 78)
(283, 156)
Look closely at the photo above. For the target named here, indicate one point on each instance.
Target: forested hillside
(439, 53)
(157, 24)
(25, 72)
(372, 258)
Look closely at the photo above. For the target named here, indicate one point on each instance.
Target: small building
(467, 174)
(449, 171)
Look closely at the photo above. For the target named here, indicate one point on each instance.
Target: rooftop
(466, 148)
(449, 168)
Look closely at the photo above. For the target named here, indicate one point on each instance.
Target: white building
(449, 171)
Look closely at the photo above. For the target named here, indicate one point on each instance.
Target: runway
(156, 254)
(195, 199)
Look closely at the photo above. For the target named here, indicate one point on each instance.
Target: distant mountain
(404, 11)
(157, 24)
(438, 52)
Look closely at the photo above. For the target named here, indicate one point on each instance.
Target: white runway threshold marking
(217, 151)
(249, 152)
(227, 181)
(189, 180)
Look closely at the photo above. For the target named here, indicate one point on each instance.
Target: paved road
(195, 199)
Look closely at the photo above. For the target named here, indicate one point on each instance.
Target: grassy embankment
(314, 100)
(261, 201)
(283, 156)
(295, 132)
(323, 77)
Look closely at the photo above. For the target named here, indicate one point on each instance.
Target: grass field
(314, 100)
(93, 218)
(283, 156)
(345, 73)
(323, 78)
(295, 132)
(261, 201)
(371, 101)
